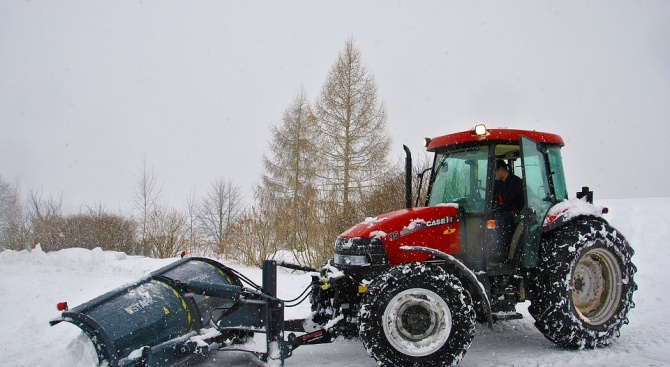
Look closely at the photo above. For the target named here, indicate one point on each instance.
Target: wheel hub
(417, 322)
(596, 286)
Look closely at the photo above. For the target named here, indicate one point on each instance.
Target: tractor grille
(369, 256)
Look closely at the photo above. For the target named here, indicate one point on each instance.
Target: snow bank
(33, 282)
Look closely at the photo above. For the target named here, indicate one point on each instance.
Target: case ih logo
(440, 221)
(418, 224)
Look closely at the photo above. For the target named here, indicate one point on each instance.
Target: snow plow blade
(159, 319)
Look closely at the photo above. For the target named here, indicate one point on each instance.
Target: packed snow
(33, 282)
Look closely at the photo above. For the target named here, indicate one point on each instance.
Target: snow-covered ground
(33, 282)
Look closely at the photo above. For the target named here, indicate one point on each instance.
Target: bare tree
(147, 193)
(221, 206)
(253, 237)
(45, 221)
(167, 234)
(41, 208)
(353, 127)
(192, 243)
(13, 233)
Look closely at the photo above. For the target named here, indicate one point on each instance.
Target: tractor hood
(434, 227)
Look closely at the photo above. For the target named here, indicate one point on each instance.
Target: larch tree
(289, 182)
(352, 126)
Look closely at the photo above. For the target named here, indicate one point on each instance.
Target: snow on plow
(181, 310)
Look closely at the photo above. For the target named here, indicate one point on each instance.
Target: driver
(508, 202)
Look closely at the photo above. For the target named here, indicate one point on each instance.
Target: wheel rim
(596, 286)
(417, 322)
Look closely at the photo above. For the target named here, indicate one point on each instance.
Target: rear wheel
(585, 286)
(416, 315)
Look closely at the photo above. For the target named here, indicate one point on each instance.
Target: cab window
(460, 177)
(557, 173)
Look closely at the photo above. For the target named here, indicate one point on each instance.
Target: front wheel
(584, 288)
(416, 315)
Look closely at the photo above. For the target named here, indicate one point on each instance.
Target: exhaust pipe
(408, 177)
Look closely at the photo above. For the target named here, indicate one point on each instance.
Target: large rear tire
(584, 287)
(416, 315)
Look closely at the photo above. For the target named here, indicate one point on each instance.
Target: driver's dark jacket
(508, 194)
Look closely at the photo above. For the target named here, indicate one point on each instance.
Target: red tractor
(412, 283)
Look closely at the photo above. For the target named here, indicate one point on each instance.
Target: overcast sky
(89, 89)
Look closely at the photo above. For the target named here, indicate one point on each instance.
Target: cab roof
(500, 135)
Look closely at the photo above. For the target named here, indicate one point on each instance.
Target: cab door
(538, 196)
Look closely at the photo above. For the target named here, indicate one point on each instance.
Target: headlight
(359, 260)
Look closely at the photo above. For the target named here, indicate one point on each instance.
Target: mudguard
(565, 211)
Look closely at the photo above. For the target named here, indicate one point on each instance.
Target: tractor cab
(463, 173)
